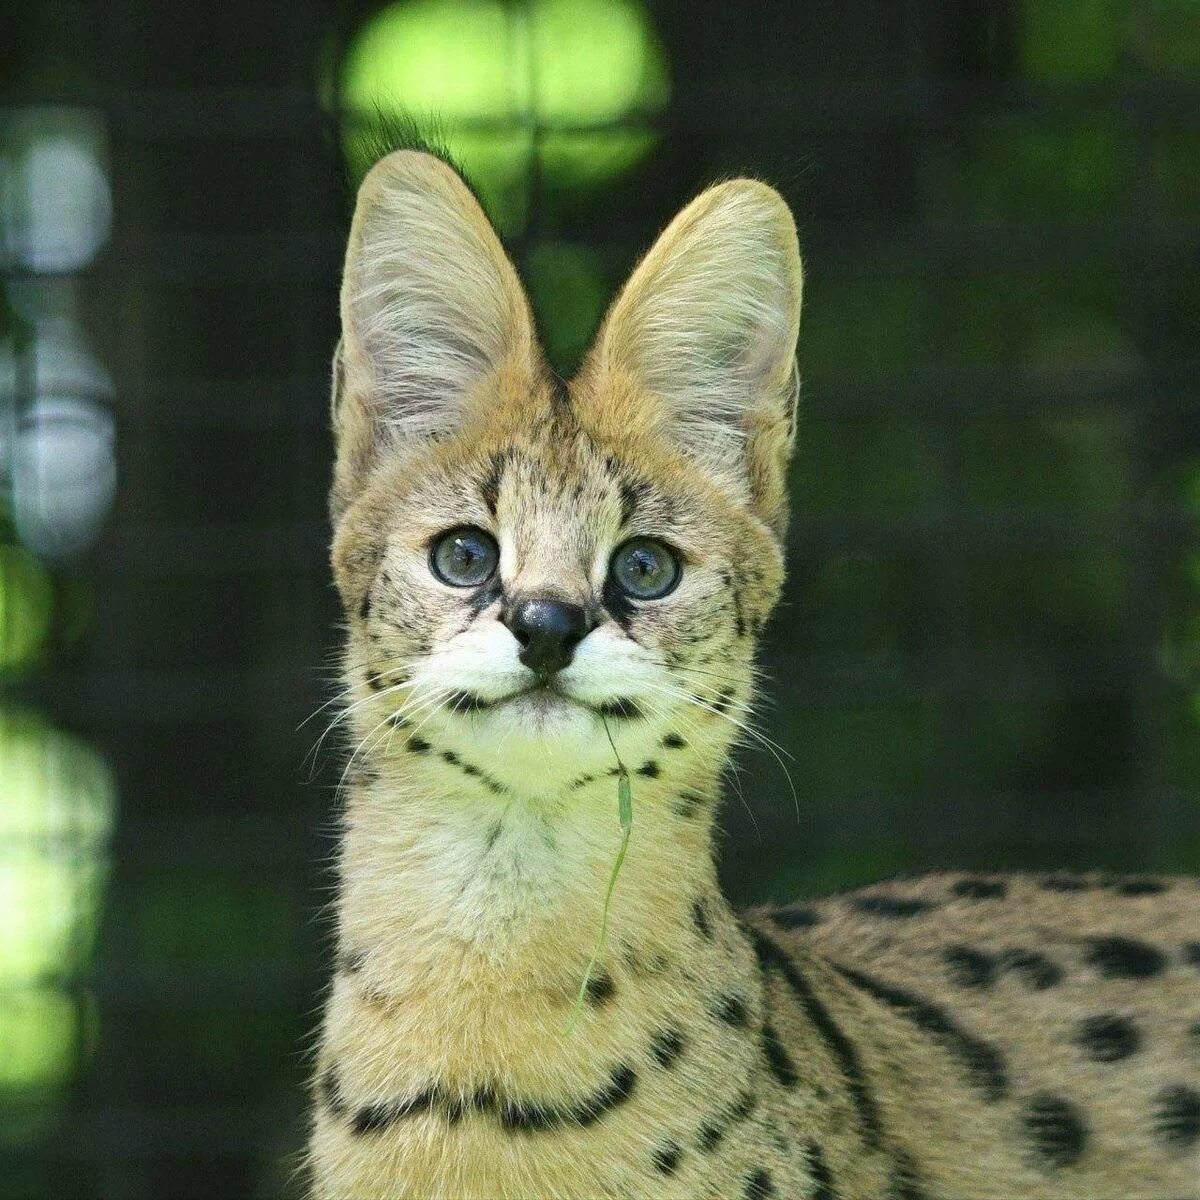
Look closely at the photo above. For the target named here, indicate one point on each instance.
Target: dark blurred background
(989, 649)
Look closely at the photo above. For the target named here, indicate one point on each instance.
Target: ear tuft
(707, 328)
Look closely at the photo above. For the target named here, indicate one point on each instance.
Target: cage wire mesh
(987, 652)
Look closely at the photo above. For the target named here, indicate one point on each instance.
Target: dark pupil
(646, 566)
(464, 556)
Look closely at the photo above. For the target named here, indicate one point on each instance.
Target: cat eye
(464, 557)
(645, 569)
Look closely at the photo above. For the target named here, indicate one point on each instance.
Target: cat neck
(449, 874)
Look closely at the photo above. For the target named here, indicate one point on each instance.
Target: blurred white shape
(55, 199)
(59, 442)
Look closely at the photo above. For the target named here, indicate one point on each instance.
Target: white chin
(540, 712)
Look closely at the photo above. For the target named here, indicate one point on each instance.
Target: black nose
(548, 631)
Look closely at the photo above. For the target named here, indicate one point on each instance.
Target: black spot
(533, 1116)
(600, 988)
(489, 486)
(779, 1061)
(690, 802)
(632, 492)
(1055, 1131)
(650, 769)
(364, 608)
(772, 957)
(493, 836)
(371, 1118)
(1139, 887)
(373, 681)
(796, 916)
(1176, 1117)
(1035, 969)
(1065, 883)
(417, 745)
(1108, 1038)
(581, 781)
(969, 968)
(712, 1132)
(673, 742)
(982, 1061)
(624, 709)
(1123, 958)
(904, 1182)
(619, 1089)
(352, 961)
(980, 889)
(759, 1186)
(1191, 953)
(882, 905)
(732, 1010)
(701, 921)
(666, 1046)
(467, 702)
(723, 701)
(398, 721)
(330, 1094)
(818, 1168)
(1194, 1033)
(666, 1158)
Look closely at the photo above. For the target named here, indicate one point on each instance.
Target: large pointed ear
(431, 306)
(706, 330)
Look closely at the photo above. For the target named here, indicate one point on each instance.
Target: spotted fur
(954, 1037)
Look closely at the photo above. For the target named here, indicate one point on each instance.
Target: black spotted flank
(982, 1062)
(1176, 1117)
(1124, 958)
(1056, 1133)
(600, 988)
(881, 904)
(779, 1061)
(1034, 969)
(666, 1157)
(796, 916)
(771, 957)
(968, 967)
(978, 888)
(732, 1010)
(759, 1185)
(712, 1132)
(701, 920)
(665, 1047)
(674, 742)
(818, 1168)
(1108, 1038)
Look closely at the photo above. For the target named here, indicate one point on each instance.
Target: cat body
(550, 584)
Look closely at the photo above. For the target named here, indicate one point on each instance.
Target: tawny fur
(952, 1037)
